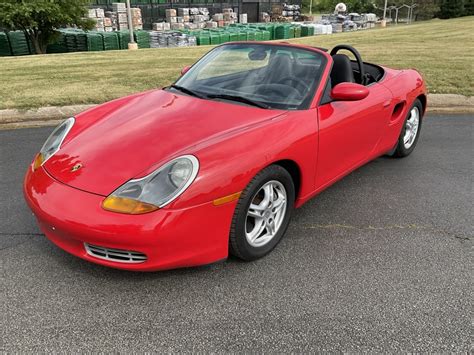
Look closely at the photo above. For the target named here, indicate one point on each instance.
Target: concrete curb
(44, 116)
(51, 115)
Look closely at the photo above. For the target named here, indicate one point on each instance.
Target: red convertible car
(215, 163)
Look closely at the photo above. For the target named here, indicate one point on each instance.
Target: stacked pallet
(137, 21)
(230, 17)
(160, 39)
(291, 11)
(119, 15)
(161, 26)
(101, 22)
(198, 18)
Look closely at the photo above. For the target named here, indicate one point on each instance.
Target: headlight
(155, 190)
(53, 143)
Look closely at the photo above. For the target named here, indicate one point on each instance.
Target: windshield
(267, 76)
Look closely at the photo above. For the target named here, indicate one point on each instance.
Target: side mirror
(349, 92)
(185, 69)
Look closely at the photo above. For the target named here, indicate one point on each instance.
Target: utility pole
(131, 45)
(384, 20)
(311, 7)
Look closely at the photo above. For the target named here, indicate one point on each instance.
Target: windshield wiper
(238, 99)
(187, 91)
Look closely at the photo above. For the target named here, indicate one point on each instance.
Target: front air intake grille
(117, 255)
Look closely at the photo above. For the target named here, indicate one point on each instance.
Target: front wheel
(410, 131)
(262, 214)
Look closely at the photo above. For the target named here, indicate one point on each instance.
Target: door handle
(387, 103)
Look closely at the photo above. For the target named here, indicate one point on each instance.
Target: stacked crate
(182, 19)
(230, 17)
(101, 22)
(161, 26)
(137, 21)
(161, 39)
(120, 14)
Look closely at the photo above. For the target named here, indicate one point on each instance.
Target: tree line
(426, 9)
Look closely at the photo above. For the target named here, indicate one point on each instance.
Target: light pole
(131, 45)
(384, 20)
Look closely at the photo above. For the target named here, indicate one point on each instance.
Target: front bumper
(169, 238)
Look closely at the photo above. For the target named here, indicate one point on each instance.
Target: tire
(257, 225)
(410, 131)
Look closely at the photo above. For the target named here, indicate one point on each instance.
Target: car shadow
(315, 208)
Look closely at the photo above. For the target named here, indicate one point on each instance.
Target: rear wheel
(410, 131)
(262, 214)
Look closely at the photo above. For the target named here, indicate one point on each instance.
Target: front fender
(227, 166)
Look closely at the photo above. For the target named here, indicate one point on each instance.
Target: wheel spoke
(257, 231)
(278, 204)
(258, 208)
(255, 213)
(269, 194)
(266, 213)
(271, 228)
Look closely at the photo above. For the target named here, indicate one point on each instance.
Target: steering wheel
(279, 91)
(360, 63)
(299, 84)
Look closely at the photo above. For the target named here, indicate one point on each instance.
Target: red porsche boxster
(215, 163)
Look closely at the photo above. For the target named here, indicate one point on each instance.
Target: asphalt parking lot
(381, 261)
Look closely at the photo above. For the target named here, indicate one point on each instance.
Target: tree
(451, 8)
(425, 9)
(361, 6)
(468, 7)
(39, 19)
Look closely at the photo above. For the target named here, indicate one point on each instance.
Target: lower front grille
(117, 255)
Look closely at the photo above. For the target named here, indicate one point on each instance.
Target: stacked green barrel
(250, 32)
(19, 44)
(59, 45)
(110, 41)
(95, 42)
(74, 40)
(282, 31)
(142, 38)
(5, 49)
(215, 37)
(203, 38)
(307, 31)
(123, 38)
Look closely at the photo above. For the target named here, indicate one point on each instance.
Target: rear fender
(405, 87)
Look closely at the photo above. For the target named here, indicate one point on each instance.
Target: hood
(132, 136)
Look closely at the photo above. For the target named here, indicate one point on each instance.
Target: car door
(349, 132)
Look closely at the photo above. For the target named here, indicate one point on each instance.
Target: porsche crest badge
(76, 167)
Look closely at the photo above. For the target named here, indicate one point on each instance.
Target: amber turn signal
(38, 161)
(127, 205)
(226, 199)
